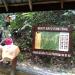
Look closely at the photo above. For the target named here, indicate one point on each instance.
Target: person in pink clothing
(9, 50)
(8, 41)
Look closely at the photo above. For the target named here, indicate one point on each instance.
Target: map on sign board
(52, 40)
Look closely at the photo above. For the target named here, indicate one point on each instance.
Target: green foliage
(62, 17)
(21, 57)
(23, 20)
(73, 40)
(1, 20)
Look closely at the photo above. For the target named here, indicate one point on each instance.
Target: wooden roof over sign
(34, 5)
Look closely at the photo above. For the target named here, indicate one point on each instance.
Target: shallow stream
(27, 69)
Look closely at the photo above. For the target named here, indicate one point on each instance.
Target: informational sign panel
(51, 41)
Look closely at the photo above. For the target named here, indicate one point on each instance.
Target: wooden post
(30, 5)
(62, 2)
(13, 67)
(5, 5)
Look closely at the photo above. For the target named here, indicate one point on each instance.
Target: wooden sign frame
(47, 28)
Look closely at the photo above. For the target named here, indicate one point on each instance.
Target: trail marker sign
(50, 40)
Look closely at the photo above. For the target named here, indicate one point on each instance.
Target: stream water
(28, 69)
(36, 70)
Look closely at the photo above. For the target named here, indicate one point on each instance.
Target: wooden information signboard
(50, 40)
